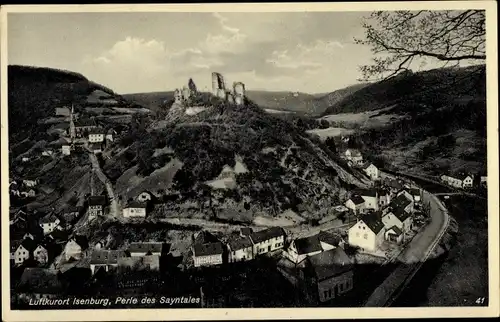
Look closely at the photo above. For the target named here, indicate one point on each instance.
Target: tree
(403, 38)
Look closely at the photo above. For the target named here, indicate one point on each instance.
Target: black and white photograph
(249, 156)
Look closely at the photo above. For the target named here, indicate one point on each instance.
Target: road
(414, 256)
(114, 209)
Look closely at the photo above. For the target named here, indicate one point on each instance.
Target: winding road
(415, 254)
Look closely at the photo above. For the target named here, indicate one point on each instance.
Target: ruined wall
(239, 93)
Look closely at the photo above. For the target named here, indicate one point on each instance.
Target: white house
(96, 148)
(41, 254)
(96, 206)
(267, 240)
(146, 249)
(467, 181)
(370, 197)
(66, 149)
(110, 135)
(49, 223)
(300, 248)
(353, 155)
(75, 246)
(367, 233)
(22, 251)
(484, 181)
(398, 217)
(394, 234)
(47, 152)
(208, 254)
(371, 170)
(25, 159)
(96, 135)
(30, 182)
(356, 203)
(240, 249)
(458, 181)
(134, 209)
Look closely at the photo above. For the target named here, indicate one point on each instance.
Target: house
(41, 253)
(25, 159)
(30, 182)
(402, 201)
(356, 203)
(267, 240)
(96, 206)
(146, 249)
(394, 234)
(394, 185)
(96, 148)
(96, 135)
(367, 233)
(208, 254)
(417, 195)
(384, 197)
(398, 217)
(66, 149)
(84, 126)
(47, 152)
(62, 111)
(14, 245)
(106, 259)
(75, 246)
(145, 196)
(39, 283)
(353, 155)
(139, 263)
(23, 251)
(371, 170)
(49, 223)
(458, 180)
(370, 197)
(31, 193)
(240, 249)
(407, 193)
(135, 209)
(300, 248)
(110, 135)
(327, 275)
(483, 181)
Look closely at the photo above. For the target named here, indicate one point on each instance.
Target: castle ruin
(236, 96)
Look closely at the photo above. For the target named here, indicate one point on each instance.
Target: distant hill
(441, 123)
(35, 92)
(154, 101)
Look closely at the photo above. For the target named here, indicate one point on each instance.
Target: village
(49, 253)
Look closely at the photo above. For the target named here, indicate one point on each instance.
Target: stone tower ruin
(239, 93)
(218, 86)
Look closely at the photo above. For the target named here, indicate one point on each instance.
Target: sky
(311, 52)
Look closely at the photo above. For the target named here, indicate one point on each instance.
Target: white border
(275, 313)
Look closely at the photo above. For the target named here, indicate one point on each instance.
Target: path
(414, 255)
(114, 207)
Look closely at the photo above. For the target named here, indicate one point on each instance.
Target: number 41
(480, 300)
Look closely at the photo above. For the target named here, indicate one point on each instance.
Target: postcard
(256, 161)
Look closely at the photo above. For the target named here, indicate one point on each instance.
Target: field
(331, 132)
(364, 120)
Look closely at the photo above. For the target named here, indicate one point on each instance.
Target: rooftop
(108, 257)
(136, 204)
(240, 243)
(330, 263)
(267, 234)
(366, 192)
(246, 231)
(357, 199)
(400, 213)
(373, 222)
(97, 200)
(400, 201)
(97, 131)
(308, 245)
(208, 249)
(50, 218)
(329, 238)
(153, 247)
(396, 230)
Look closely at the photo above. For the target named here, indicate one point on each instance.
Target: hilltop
(431, 121)
(229, 159)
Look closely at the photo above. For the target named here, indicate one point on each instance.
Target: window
(365, 236)
(357, 234)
